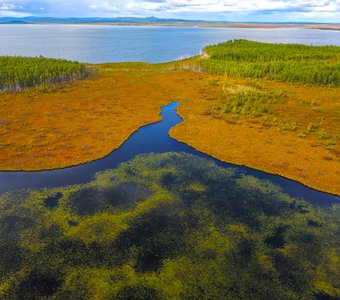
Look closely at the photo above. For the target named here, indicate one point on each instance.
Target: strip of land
(225, 25)
(152, 21)
(296, 135)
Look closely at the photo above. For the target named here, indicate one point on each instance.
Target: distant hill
(130, 20)
(13, 22)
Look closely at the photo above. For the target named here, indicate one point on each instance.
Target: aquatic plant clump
(167, 226)
(17, 73)
(284, 62)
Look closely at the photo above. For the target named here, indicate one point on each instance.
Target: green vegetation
(17, 73)
(289, 125)
(169, 226)
(284, 62)
(246, 100)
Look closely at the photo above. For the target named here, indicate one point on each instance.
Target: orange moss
(77, 123)
(261, 144)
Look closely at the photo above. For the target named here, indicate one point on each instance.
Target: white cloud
(9, 9)
(245, 5)
(209, 9)
(6, 6)
(103, 6)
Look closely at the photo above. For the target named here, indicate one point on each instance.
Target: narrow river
(152, 138)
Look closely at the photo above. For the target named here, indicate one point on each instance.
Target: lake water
(103, 43)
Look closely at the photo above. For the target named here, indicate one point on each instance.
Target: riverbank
(260, 145)
(75, 123)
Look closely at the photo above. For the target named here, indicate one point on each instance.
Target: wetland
(209, 177)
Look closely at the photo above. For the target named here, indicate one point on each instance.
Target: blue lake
(103, 43)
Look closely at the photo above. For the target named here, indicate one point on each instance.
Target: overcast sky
(227, 10)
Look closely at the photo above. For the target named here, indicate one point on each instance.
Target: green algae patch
(167, 226)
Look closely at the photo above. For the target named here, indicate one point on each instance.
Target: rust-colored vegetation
(293, 131)
(289, 129)
(75, 123)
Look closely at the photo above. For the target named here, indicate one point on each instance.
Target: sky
(211, 10)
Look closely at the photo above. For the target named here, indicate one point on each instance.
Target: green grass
(246, 100)
(246, 103)
(283, 62)
(167, 226)
(17, 73)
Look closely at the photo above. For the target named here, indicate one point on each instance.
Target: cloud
(7, 6)
(209, 9)
(10, 9)
(244, 5)
(104, 7)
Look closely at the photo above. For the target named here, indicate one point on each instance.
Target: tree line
(283, 62)
(17, 73)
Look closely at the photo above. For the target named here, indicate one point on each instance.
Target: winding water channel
(152, 138)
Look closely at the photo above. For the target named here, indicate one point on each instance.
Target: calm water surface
(103, 43)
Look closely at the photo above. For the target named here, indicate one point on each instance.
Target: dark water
(152, 138)
(102, 43)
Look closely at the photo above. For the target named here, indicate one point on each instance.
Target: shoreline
(335, 27)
